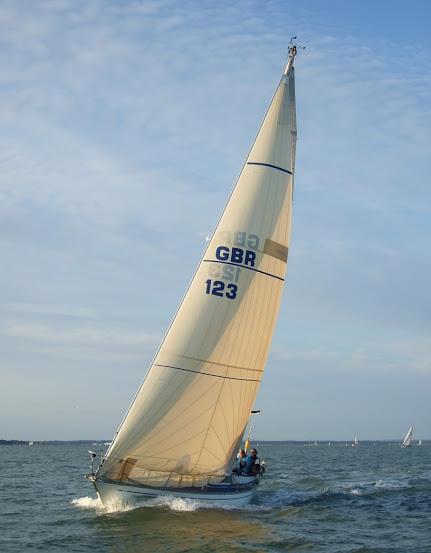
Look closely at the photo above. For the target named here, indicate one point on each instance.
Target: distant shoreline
(257, 441)
(53, 442)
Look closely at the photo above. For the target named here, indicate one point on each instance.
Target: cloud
(79, 336)
(389, 357)
(124, 128)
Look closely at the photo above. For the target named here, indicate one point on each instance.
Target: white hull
(136, 495)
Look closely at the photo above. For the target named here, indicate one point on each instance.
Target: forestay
(190, 412)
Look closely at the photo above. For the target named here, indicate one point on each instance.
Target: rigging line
(161, 408)
(183, 413)
(182, 441)
(213, 415)
(221, 461)
(223, 447)
(206, 374)
(225, 423)
(174, 432)
(270, 165)
(243, 267)
(233, 410)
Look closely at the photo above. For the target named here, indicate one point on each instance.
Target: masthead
(293, 50)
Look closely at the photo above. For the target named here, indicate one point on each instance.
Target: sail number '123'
(219, 288)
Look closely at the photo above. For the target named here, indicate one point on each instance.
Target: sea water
(373, 498)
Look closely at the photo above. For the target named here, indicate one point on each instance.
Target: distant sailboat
(355, 442)
(408, 439)
(315, 443)
(183, 429)
(329, 444)
(420, 442)
(31, 442)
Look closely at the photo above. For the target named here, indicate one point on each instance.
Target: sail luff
(204, 378)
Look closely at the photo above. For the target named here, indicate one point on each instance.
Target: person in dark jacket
(252, 465)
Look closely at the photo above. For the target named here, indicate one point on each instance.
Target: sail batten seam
(207, 374)
(243, 267)
(271, 166)
(209, 362)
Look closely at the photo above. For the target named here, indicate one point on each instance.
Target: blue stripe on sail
(243, 267)
(269, 165)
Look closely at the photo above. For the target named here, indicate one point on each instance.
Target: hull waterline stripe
(243, 267)
(207, 374)
(210, 497)
(269, 165)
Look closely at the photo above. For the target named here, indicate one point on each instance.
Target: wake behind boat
(186, 422)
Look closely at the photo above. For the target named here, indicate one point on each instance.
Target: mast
(292, 53)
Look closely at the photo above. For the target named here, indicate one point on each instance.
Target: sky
(124, 128)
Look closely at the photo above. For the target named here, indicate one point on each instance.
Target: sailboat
(355, 442)
(181, 433)
(420, 442)
(407, 442)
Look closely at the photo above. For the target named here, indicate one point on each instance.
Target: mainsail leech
(191, 411)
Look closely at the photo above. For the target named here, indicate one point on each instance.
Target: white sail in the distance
(191, 411)
(407, 442)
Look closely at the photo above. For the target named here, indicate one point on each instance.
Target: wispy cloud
(84, 335)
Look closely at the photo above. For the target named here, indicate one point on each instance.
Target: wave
(87, 502)
(294, 497)
(113, 506)
(264, 500)
(177, 504)
(392, 484)
(375, 487)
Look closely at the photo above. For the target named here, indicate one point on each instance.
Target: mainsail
(192, 408)
(408, 439)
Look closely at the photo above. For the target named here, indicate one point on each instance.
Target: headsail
(408, 439)
(191, 411)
